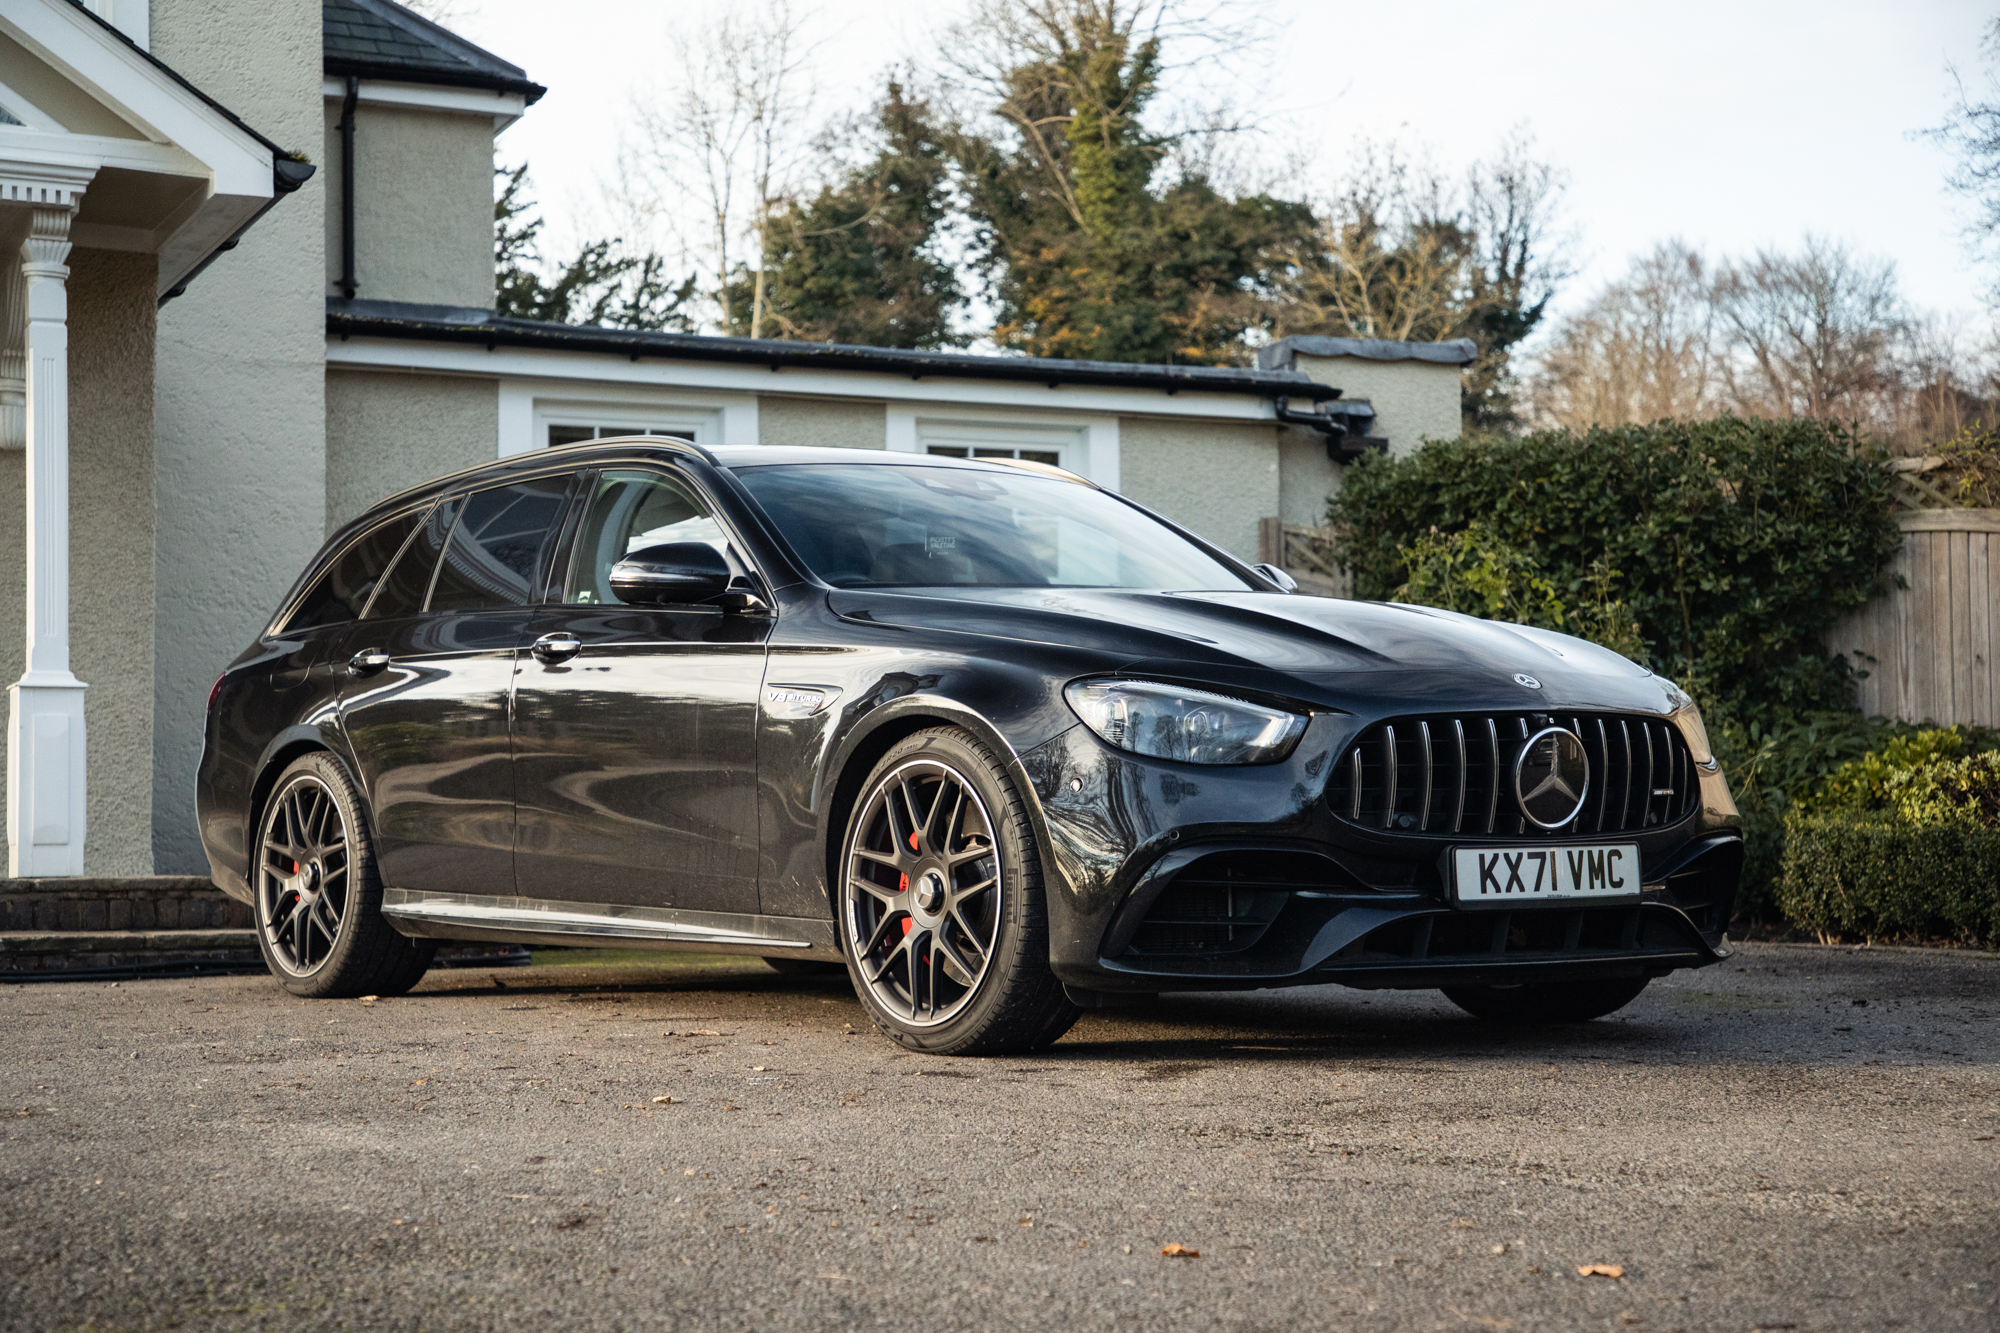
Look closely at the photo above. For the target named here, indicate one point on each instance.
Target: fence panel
(1306, 553)
(1928, 646)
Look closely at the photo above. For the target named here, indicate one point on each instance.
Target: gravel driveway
(1800, 1138)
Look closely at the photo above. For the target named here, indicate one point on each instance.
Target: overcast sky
(1731, 123)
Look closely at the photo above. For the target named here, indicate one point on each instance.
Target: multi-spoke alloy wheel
(303, 885)
(318, 899)
(941, 906)
(923, 892)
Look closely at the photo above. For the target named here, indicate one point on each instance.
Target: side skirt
(568, 925)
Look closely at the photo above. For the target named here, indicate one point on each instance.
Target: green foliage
(1475, 573)
(1950, 791)
(1736, 544)
(857, 262)
(1874, 877)
(1867, 783)
(1971, 471)
(599, 285)
(1090, 253)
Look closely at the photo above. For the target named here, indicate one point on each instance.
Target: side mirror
(673, 574)
(1285, 582)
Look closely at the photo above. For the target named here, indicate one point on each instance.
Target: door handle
(367, 662)
(557, 647)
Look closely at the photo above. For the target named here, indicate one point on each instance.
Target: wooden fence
(1928, 647)
(1306, 553)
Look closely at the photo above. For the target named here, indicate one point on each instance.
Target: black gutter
(482, 328)
(392, 72)
(347, 104)
(287, 175)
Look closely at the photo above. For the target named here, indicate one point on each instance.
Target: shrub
(1875, 878)
(1864, 783)
(1477, 574)
(1737, 544)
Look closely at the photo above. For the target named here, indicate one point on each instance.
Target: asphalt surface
(1800, 1138)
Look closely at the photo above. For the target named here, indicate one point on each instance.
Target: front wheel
(1547, 1002)
(318, 898)
(940, 904)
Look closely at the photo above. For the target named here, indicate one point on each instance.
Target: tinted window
(406, 586)
(882, 525)
(496, 549)
(628, 512)
(342, 591)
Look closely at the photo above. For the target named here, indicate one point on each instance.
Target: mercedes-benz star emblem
(1523, 678)
(1551, 777)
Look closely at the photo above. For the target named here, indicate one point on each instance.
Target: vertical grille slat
(1389, 764)
(1458, 813)
(1493, 767)
(1424, 807)
(1429, 775)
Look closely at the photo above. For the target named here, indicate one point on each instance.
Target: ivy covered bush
(1734, 545)
(1902, 842)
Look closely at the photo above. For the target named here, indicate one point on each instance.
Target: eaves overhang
(164, 168)
(471, 326)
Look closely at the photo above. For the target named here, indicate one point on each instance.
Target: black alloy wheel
(316, 894)
(940, 904)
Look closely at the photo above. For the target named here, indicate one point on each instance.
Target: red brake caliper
(903, 886)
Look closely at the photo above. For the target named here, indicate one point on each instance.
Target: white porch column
(45, 752)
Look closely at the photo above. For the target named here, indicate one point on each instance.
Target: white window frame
(527, 410)
(1085, 445)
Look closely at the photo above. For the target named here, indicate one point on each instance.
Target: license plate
(1502, 876)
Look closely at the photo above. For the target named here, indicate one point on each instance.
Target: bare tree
(1972, 132)
(730, 137)
(1811, 334)
(1644, 349)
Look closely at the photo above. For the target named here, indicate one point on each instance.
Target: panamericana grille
(1452, 775)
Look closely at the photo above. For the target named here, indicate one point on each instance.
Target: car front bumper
(1164, 876)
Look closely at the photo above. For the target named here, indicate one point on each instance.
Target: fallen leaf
(1600, 1270)
(665, 1101)
(1984, 1138)
(370, 999)
(1501, 1248)
(1179, 1252)
(1463, 1222)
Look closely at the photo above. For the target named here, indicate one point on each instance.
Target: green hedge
(1735, 544)
(1877, 877)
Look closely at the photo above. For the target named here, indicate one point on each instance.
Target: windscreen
(884, 526)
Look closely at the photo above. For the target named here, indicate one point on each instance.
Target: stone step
(126, 903)
(90, 950)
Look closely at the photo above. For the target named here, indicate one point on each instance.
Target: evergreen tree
(600, 285)
(858, 263)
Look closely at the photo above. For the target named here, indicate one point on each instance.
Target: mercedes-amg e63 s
(1000, 743)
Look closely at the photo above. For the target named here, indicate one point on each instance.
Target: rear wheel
(1547, 1002)
(318, 899)
(940, 904)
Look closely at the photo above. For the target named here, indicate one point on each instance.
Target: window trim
(565, 564)
(279, 625)
(1086, 444)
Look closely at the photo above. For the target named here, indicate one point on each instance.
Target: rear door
(431, 669)
(635, 727)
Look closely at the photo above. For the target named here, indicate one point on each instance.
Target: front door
(635, 763)
(431, 668)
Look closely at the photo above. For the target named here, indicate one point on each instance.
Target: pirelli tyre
(940, 904)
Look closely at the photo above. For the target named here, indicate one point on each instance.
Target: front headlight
(1688, 718)
(1193, 726)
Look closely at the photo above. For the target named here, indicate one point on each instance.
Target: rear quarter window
(342, 591)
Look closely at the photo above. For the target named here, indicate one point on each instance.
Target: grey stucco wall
(111, 303)
(386, 432)
(833, 423)
(1218, 478)
(423, 204)
(239, 397)
(1306, 476)
(1414, 401)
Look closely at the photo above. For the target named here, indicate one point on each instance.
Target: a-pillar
(45, 751)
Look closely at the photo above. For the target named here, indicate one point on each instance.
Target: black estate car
(1001, 743)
